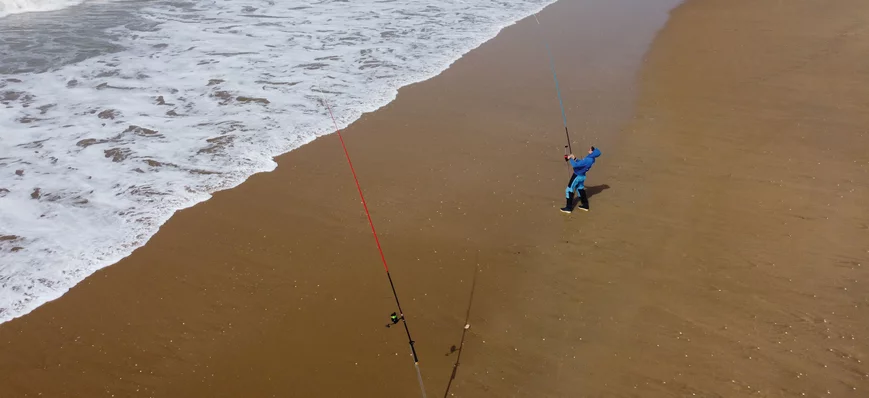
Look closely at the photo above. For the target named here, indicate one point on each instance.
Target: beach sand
(726, 252)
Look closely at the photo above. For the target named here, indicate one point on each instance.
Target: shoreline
(139, 235)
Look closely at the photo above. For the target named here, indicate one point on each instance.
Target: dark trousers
(583, 196)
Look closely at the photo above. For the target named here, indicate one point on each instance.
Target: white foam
(105, 188)
(8, 7)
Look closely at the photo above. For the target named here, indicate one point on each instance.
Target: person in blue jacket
(577, 180)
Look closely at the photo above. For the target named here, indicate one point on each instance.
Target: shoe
(583, 208)
(568, 204)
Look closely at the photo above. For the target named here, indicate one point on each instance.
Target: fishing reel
(394, 318)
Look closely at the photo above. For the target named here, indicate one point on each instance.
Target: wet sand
(725, 253)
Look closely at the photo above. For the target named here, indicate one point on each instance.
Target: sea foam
(95, 155)
(8, 7)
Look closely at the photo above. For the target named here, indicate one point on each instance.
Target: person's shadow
(591, 191)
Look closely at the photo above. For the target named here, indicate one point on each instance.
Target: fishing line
(400, 317)
(557, 89)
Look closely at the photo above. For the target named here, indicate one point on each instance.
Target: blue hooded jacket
(580, 167)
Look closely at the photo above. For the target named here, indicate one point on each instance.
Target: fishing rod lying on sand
(395, 317)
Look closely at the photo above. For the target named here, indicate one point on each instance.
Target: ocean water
(116, 114)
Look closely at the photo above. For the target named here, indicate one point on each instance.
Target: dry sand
(725, 254)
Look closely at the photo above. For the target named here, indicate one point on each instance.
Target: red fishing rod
(395, 318)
